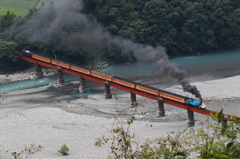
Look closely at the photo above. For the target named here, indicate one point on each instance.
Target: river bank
(26, 74)
(52, 127)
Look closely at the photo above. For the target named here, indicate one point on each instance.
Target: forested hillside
(183, 27)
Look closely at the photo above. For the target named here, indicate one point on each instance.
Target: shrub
(27, 152)
(214, 141)
(64, 150)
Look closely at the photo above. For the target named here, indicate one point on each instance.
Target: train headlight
(203, 106)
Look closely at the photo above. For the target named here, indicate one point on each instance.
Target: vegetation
(17, 11)
(7, 50)
(19, 3)
(184, 27)
(27, 152)
(64, 150)
(18, 7)
(213, 141)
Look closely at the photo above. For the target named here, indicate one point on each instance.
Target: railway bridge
(44, 61)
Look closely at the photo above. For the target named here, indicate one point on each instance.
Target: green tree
(7, 53)
(6, 21)
(159, 30)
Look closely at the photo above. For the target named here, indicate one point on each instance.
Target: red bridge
(44, 61)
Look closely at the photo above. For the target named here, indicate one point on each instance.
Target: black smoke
(53, 24)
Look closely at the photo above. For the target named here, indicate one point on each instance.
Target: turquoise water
(26, 84)
(52, 93)
(76, 94)
(218, 63)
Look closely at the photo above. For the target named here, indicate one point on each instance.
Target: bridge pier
(161, 111)
(224, 124)
(60, 77)
(191, 121)
(82, 85)
(107, 93)
(38, 73)
(133, 99)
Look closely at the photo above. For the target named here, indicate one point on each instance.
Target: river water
(30, 94)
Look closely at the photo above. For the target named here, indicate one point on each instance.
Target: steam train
(108, 78)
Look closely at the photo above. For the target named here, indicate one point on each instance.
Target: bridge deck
(118, 86)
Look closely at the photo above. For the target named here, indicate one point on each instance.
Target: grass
(18, 11)
(28, 4)
(18, 7)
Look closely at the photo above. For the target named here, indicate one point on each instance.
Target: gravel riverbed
(52, 127)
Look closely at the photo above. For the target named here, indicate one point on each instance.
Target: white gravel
(53, 127)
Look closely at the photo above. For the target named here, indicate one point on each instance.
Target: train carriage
(41, 58)
(147, 89)
(62, 64)
(160, 93)
(101, 75)
(80, 69)
(173, 97)
(124, 82)
(28, 53)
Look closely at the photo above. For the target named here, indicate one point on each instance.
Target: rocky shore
(99, 65)
(25, 74)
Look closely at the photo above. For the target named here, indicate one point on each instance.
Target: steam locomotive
(109, 78)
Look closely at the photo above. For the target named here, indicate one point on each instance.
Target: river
(29, 93)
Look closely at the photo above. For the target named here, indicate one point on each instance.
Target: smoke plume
(53, 25)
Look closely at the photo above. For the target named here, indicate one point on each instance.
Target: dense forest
(83, 33)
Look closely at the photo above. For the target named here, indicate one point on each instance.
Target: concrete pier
(82, 86)
(133, 99)
(107, 93)
(60, 77)
(38, 73)
(191, 121)
(224, 124)
(161, 111)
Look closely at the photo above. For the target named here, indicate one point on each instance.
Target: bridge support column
(224, 123)
(107, 93)
(161, 111)
(133, 99)
(191, 121)
(38, 73)
(60, 77)
(82, 85)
